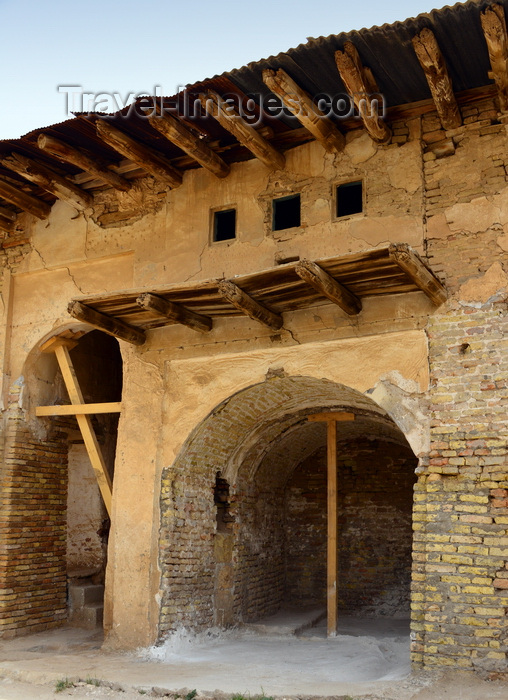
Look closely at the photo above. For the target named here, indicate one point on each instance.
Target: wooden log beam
(322, 282)
(6, 224)
(27, 202)
(78, 157)
(300, 104)
(108, 324)
(174, 312)
(362, 88)
(433, 64)
(81, 409)
(249, 306)
(229, 118)
(419, 273)
(179, 134)
(145, 157)
(494, 28)
(50, 181)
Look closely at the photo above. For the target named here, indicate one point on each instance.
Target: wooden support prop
(80, 159)
(229, 118)
(414, 267)
(78, 409)
(6, 224)
(339, 417)
(247, 305)
(27, 202)
(108, 324)
(174, 312)
(434, 66)
(494, 28)
(363, 89)
(50, 181)
(145, 157)
(322, 282)
(179, 134)
(301, 105)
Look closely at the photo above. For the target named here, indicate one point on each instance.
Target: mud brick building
(279, 335)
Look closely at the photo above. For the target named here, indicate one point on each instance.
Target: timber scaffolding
(451, 54)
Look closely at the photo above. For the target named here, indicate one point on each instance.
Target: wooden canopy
(264, 296)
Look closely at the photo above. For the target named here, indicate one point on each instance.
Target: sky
(124, 47)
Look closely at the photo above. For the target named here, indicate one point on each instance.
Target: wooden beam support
(179, 134)
(247, 305)
(362, 88)
(229, 118)
(494, 28)
(27, 202)
(174, 312)
(419, 273)
(322, 282)
(338, 416)
(6, 224)
(108, 324)
(144, 156)
(431, 60)
(300, 104)
(81, 409)
(78, 157)
(50, 181)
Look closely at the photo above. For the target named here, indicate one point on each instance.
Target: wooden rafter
(82, 409)
(299, 103)
(249, 306)
(189, 142)
(174, 312)
(6, 224)
(79, 158)
(229, 118)
(48, 180)
(416, 270)
(111, 326)
(494, 28)
(362, 88)
(147, 158)
(433, 64)
(322, 282)
(33, 205)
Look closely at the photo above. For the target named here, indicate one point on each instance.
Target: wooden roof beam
(433, 64)
(144, 156)
(48, 180)
(228, 117)
(249, 306)
(27, 202)
(494, 28)
(179, 134)
(418, 272)
(322, 282)
(108, 324)
(362, 88)
(301, 105)
(174, 312)
(78, 157)
(6, 224)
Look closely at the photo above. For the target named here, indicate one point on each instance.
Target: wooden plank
(414, 267)
(494, 28)
(337, 416)
(78, 409)
(229, 118)
(299, 103)
(322, 282)
(6, 225)
(433, 64)
(361, 86)
(249, 306)
(331, 558)
(32, 205)
(85, 425)
(109, 325)
(174, 312)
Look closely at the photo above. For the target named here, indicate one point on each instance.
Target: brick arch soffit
(256, 419)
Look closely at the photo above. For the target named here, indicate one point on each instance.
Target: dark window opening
(224, 225)
(349, 199)
(286, 212)
(222, 503)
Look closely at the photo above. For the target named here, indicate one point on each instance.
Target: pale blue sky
(129, 46)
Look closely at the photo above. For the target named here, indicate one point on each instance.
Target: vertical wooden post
(331, 560)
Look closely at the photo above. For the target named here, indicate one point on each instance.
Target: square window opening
(286, 212)
(349, 198)
(224, 225)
